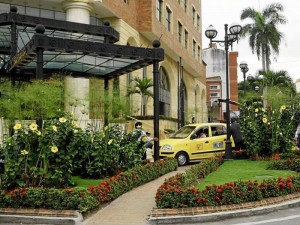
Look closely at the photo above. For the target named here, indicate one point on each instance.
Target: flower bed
(82, 199)
(176, 192)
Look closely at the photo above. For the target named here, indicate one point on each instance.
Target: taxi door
(201, 147)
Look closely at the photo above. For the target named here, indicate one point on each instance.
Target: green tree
(141, 87)
(263, 32)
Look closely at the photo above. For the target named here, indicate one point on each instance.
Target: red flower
(69, 190)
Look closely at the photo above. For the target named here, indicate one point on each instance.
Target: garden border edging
(215, 213)
(38, 216)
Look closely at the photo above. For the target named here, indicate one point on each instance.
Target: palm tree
(263, 33)
(141, 87)
(277, 78)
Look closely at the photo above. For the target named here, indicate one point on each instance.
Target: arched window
(164, 93)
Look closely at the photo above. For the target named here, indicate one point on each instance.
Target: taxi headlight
(167, 147)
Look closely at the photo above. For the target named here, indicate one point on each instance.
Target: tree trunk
(263, 57)
(267, 60)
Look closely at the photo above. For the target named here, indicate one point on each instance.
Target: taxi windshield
(183, 132)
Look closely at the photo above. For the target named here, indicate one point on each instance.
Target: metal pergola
(35, 46)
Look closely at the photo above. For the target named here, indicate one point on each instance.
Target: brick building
(216, 82)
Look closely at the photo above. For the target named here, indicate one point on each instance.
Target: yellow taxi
(194, 142)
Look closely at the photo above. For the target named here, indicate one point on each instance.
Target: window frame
(168, 19)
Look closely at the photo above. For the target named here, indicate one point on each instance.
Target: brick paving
(132, 208)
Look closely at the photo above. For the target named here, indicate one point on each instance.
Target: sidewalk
(132, 208)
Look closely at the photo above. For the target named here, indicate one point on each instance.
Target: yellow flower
(144, 139)
(38, 132)
(74, 124)
(102, 135)
(106, 127)
(110, 141)
(17, 126)
(33, 127)
(24, 152)
(256, 110)
(283, 107)
(75, 131)
(54, 149)
(265, 120)
(54, 128)
(62, 119)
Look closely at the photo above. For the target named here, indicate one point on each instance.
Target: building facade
(177, 24)
(216, 82)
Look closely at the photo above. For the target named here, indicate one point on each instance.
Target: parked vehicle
(189, 143)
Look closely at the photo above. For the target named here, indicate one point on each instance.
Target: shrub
(75, 198)
(176, 192)
(113, 187)
(83, 199)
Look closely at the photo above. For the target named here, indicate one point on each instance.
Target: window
(199, 53)
(194, 14)
(194, 48)
(164, 93)
(218, 130)
(185, 5)
(159, 4)
(214, 94)
(168, 19)
(214, 87)
(179, 32)
(198, 22)
(186, 38)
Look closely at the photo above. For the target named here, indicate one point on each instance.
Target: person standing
(235, 132)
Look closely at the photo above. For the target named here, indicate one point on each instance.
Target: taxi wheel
(182, 158)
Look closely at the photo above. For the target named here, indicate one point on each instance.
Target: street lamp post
(244, 69)
(229, 38)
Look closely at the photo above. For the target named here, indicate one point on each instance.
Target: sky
(220, 12)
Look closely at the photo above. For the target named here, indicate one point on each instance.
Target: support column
(77, 89)
(156, 44)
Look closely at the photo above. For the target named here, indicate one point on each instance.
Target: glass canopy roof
(82, 49)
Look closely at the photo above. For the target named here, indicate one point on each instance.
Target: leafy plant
(268, 131)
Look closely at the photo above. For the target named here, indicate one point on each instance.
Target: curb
(40, 216)
(197, 215)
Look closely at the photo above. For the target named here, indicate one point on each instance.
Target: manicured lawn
(242, 170)
(79, 182)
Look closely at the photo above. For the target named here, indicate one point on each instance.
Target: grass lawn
(242, 170)
(79, 182)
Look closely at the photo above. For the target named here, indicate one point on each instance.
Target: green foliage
(176, 192)
(74, 198)
(101, 154)
(111, 188)
(268, 131)
(104, 103)
(38, 100)
(39, 158)
(83, 199)
(141, 87)
(263, 32)
(51, 156)
(235, 170)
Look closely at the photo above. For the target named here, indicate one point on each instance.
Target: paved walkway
(132, 208)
